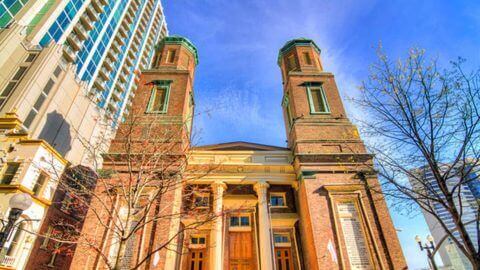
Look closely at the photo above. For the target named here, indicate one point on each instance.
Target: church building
(304, 206)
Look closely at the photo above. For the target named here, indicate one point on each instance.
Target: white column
(264, 226)
(218, 189)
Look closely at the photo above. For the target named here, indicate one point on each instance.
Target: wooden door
(240, 251)
(197, 259)
(283, 257)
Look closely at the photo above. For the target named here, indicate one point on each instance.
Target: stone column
(218, 189)
(264, 226)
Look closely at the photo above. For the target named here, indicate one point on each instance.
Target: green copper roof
(297, 42)
(182, 41)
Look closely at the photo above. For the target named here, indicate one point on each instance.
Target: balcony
(122, 77)
(120, 40)
(116, 95)
(115, 46)
(129, 61)
(92, 13)
(69, 53)
(100, 85)
(128, 18)
(131, 12)
(134, 4)
(97, 6)
(112, 108)
(8, 261)
(87, 22)
(108, 64)
(74, 41)
(123, 32)
(80, 31)
(112, 55)
(103, 72)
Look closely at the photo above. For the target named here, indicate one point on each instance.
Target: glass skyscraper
(81, 49)
(468, 197)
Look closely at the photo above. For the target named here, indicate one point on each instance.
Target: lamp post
(429, 246)
(18, 203)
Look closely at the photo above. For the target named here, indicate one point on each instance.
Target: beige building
(69, 68)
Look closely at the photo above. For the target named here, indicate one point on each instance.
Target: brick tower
(159, 122)
(344, 225)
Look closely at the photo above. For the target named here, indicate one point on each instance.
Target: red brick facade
(328, 160)
(328, 154)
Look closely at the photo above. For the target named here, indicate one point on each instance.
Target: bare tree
(423, 125)
(143, 186)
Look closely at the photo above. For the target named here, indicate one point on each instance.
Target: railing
(8, 261)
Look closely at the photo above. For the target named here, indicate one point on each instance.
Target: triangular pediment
(240, 146)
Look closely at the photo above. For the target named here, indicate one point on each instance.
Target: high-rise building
(68, 68)
(469, 197)
(301, 206)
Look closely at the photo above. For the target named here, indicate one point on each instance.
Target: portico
(252, 190)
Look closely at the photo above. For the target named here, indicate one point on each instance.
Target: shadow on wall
(56, 132)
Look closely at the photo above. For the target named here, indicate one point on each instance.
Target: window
(16, 242)
(159, 99)
(198, 240)
(12, 84)
(38, 187)
(286, 104)
(201, 200)
(240, 221)
(9, 173)
(38, 103)
(307, 58)
(317, 100)
(277, 199)
(291, 64)
(281, 238)
(171, 56)
(31, 57)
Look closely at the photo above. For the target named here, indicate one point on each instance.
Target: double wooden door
(197, 259)
(283, 258)
(241, 251)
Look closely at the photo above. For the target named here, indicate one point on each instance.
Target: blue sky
(238, 86)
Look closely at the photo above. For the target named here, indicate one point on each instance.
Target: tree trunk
(120, 254)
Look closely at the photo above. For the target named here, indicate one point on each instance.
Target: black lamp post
(429, 246)
(18, 203)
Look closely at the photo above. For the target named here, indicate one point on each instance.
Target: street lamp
(18, 203)
(429, 247)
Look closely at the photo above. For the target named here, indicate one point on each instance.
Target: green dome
(296, 42)
(182, 41)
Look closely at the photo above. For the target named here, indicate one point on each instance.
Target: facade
(469, 194)
(28, 166)
(303, 206)
(70, 68)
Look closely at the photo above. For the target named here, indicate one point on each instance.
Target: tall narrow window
(291, 63)
(39, 185)
(7, 91)
(10, 170)
(286, 104)
(306, 57)
(38, 103)
(171, 56)
(317, 100)
(159, 98)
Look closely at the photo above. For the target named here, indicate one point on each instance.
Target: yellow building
(28, 166)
